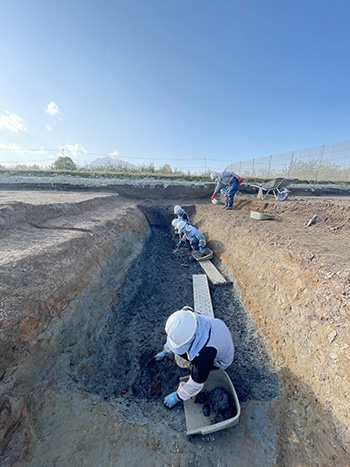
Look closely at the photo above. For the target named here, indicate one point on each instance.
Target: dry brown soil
(294, 283)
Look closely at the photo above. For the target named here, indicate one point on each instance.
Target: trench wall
(72, 287)
(300, 311)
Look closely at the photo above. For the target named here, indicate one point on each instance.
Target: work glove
(213, 195)
(171, 400)
(160, 355)
(201, 249)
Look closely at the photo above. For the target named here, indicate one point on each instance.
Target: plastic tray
(196, 421)
(216, 201)
(260, 216)
(208, 254)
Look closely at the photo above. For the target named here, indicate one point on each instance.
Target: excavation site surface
(87, 283)
(122, 348)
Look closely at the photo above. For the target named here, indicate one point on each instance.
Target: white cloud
(48, 127)
(12, 122)
(52, 108)
(75, 148)
(42, 150)
(114, 153)
(11, 147)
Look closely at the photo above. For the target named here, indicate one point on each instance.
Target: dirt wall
(63, 265)
(295, 284)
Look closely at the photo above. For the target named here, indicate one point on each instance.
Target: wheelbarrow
(278, 188)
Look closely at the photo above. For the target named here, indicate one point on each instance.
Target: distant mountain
(111, 162)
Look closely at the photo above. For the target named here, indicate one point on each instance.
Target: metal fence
(329, 162)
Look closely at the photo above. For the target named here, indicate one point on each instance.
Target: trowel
(312, 220)
(178, 246)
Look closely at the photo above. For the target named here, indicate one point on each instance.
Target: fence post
(320, 164)
(64, 162)
(291, 163)
(268, 173)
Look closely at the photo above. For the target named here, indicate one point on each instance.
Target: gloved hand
(201, 249)
(171, 400)
(213, 195)
(160, 355)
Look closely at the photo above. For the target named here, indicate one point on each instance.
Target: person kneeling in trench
(199, 342)
(194, 239)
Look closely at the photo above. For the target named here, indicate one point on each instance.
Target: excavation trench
(88, 293)
(114, 370)
(119, 365)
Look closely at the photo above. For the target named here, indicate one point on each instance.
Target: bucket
(216, 201)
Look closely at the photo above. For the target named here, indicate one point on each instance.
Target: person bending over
(181, 214)
(226, 179)
(199, 342)
(194, 239)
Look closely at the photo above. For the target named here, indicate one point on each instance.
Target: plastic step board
(213, 274)
(201, 295)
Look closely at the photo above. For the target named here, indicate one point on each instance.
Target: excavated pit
(119, 367)
(86, 288)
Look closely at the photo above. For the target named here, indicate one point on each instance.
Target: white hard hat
(180, 327)
(175, 222)
(214, 175)
(181, 226)
(177, 209)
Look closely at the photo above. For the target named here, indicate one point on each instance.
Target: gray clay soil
(122, 348)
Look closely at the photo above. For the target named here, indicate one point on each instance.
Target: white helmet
(177, 209)
(181, 226)
(214, 175)
(175, 222)
(180, 327)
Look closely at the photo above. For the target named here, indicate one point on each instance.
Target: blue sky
(172, 81)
